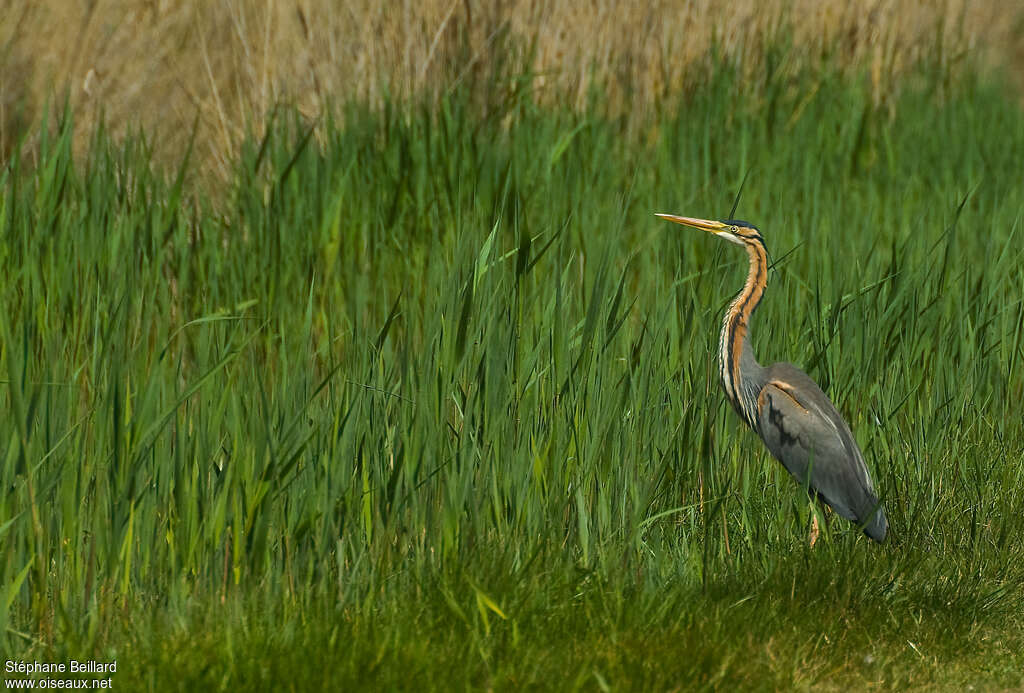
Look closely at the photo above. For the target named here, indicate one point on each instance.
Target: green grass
(430, 401)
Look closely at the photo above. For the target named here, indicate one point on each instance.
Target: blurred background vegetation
(158, 65)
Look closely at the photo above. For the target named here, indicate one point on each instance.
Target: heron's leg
(826, 519)
(815, 531)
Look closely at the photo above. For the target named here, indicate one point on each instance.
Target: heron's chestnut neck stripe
(735, 330)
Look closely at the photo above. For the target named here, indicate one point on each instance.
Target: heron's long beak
(705, 224)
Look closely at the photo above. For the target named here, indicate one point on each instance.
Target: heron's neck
(740, 373)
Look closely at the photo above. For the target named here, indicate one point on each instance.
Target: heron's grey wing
(803, 430)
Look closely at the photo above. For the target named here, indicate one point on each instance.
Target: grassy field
(429, 400)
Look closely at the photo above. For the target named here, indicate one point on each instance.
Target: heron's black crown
(739, 222)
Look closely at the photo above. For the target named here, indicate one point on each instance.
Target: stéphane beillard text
(72, 666)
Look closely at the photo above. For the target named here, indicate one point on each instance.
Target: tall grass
(230, 62)
(433, 399)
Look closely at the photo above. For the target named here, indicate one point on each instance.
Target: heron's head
(730, 229)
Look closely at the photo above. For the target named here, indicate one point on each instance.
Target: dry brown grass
(157, 63)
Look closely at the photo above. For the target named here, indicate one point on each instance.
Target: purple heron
(796, 420)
